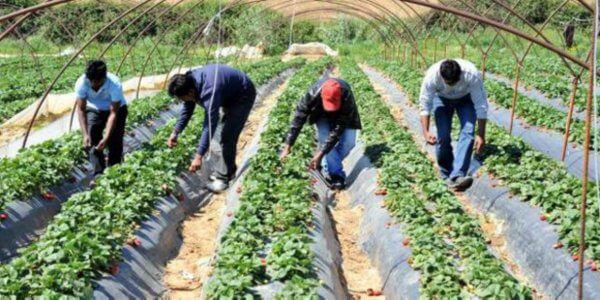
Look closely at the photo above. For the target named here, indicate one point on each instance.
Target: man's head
(182, 87)
(331, 95)
(450, 71)
(96, 73)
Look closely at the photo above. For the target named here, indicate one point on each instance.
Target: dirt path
(185, 274)
(360, 276)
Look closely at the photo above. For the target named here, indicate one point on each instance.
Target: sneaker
(217, 186)
(463, 183)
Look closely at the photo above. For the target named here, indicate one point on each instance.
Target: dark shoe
(450, 183)
(463, 183)
(337, 183)
(217, 186)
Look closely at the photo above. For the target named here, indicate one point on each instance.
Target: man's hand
(285, 152)
(172, 141)
(196, 163)
(87, 142)
(479, 144)
(315, 162)
(429, 138)
(101, 145)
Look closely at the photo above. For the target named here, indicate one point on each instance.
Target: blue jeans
(450, 166)
(332, 162)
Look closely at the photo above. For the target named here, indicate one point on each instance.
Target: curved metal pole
(141, 33)
(501, 26)
(32, 9)
(65, 66)
(137, 93)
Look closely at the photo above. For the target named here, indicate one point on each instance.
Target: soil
(185, 274)
(359, 274)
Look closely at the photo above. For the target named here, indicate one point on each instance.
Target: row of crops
(86, 237)
(530, 176)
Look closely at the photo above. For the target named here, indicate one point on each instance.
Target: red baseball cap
(331, 94)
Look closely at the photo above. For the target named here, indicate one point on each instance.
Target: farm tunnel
(528, 227)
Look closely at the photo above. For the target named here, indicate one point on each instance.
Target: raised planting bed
(532, 242)
(86, 237)
(268, 246)
(448, 246)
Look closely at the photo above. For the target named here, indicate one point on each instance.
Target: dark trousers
(233, 121)
(96, 124)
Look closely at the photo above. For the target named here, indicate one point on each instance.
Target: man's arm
(300, 117)
(209, 127)
(112, 117)
(426, 105)
(479, 98)
(184, 117)
(81, 115)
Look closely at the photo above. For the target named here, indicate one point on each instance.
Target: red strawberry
(3, 216)
(229, 214)
(557, 245)
(381, 192)
(406, 242)
(377, 293)
(594, 266)
(543, 217)
(239, 189)
(575, 257)
(49, 196)
(114, 269)
(263, 261)
(313, 181)
(134, 242)
(180, 197)
(370, 292)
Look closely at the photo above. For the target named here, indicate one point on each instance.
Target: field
(150, 227)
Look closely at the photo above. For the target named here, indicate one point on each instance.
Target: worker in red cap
(330, 105)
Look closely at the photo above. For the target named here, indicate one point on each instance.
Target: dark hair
(95, 70)
(180, 85)
(450, 70)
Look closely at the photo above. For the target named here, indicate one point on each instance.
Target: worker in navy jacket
(214, 88)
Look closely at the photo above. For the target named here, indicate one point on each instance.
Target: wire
(292, 25)
(212, 97)
(595, 95)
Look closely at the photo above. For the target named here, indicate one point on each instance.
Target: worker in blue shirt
(214, 88)
(101, 106)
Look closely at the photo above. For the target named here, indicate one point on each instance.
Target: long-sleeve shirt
(311, 107)
(470, 83)
(218, 86)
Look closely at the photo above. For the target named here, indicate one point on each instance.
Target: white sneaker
(217, 186)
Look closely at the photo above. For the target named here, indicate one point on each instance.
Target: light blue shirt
(111, 91)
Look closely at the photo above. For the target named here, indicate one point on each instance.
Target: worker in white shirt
(449, 86)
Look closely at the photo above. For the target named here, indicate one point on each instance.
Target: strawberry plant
(85, 239)
(268, 237)
(529, 175)
(448, 246)
(42, 166)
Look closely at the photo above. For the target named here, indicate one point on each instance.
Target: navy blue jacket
(226, 86)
